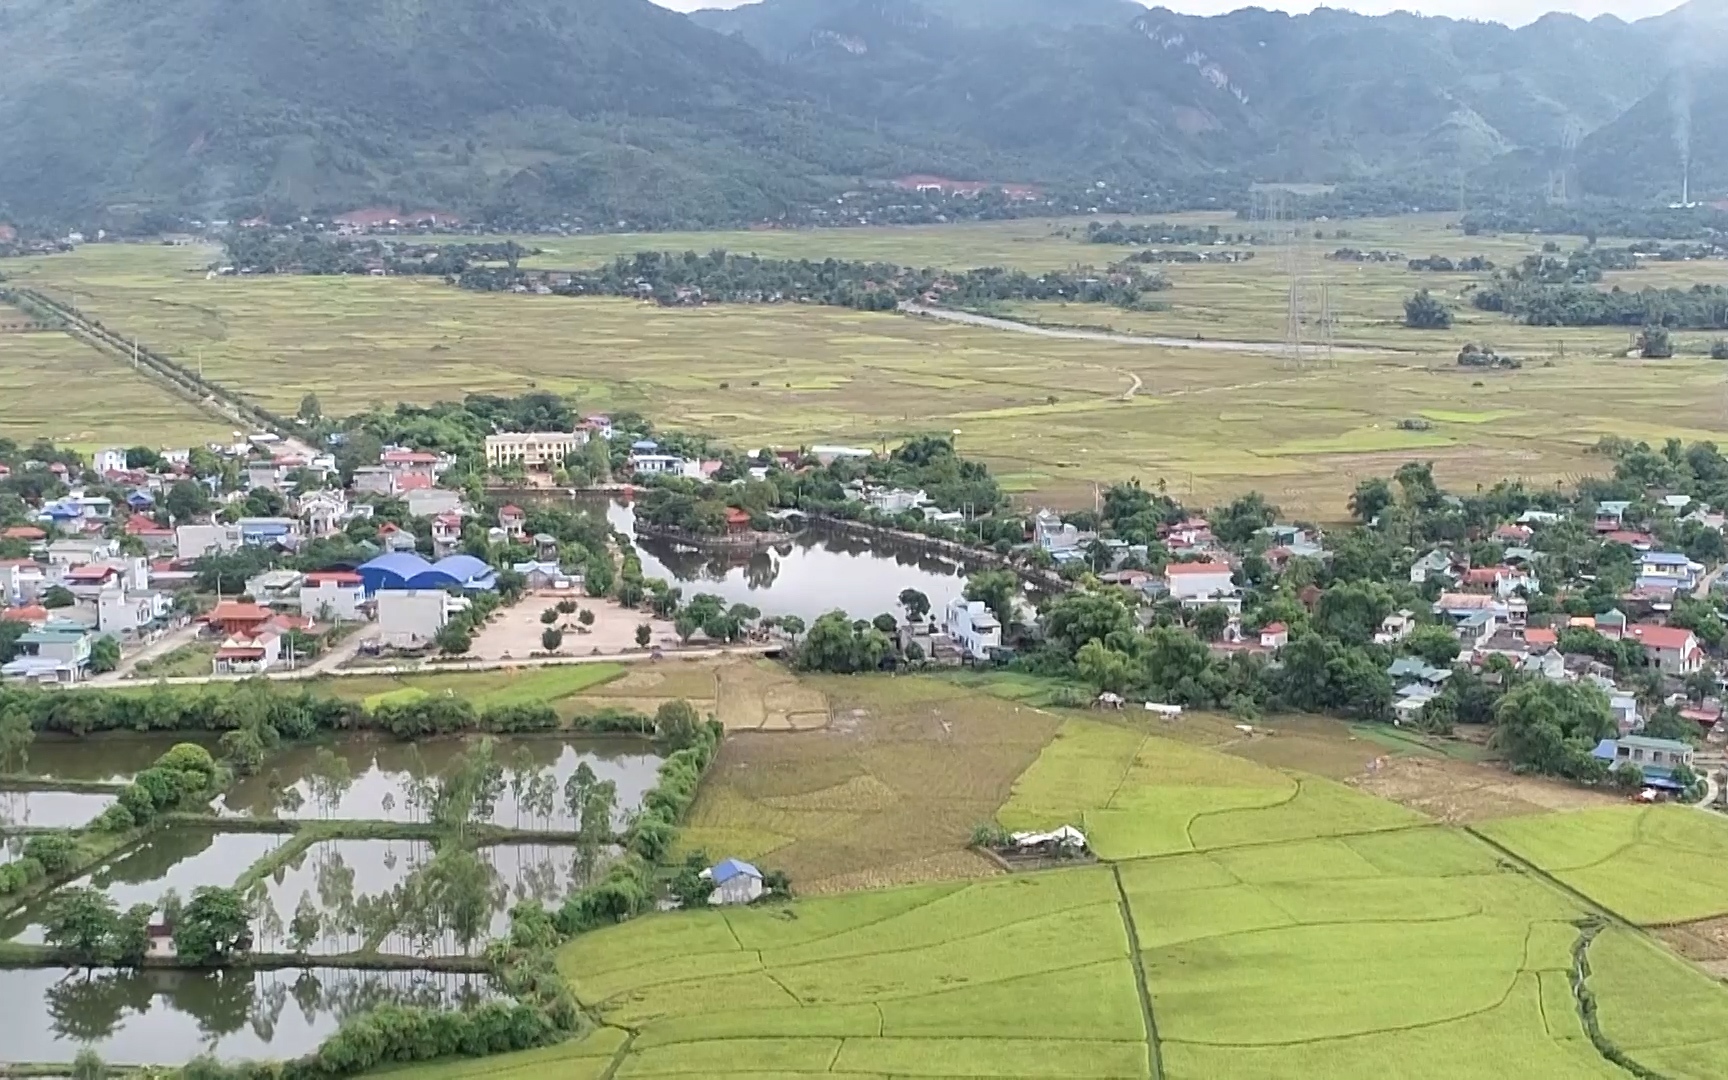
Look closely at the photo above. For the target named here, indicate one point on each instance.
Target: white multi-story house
(533, 449)
(974, 627)
(333, 596)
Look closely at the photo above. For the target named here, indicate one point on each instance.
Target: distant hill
(619, 110)
(609, 108)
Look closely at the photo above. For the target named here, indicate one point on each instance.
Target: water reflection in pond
(179, 859)
(807, 576)
(52, 809)
(168, 1017)
(381, 780)
(340, 896)
(107, 758)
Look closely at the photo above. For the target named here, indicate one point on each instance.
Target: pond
(168, 1017)
(113, 758)
(376, 779)
(806, 576)
(344, 882)
(52, 809)
(178, 859)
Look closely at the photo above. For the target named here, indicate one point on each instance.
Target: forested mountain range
(610, 111)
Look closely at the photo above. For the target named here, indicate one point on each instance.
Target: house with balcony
(972, 626)
(1656, 758)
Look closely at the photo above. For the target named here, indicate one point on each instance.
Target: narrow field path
(1154, 1059)
(989, 322)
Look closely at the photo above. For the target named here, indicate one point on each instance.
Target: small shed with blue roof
(735, 882)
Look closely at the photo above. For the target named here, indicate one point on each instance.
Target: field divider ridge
(1154, 1057)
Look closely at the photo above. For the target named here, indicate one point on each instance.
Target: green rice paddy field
(1244, 921)
(1054, 416)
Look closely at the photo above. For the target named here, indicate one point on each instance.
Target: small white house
(196, 541)
(333, 596)
(111, 459)
(1199, 580)
(411, 618)
(973, 627)
(735, 882)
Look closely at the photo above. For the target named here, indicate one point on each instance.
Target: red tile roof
(237, 611)
(1538, 636)
(414, 482)
(333, 577)
(1660, 637)
(33, 613)
(1198, 568)
(23, 532)
(144, 525)
(1275, 628)
(91, 572)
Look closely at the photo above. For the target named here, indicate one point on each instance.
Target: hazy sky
(1513, 12)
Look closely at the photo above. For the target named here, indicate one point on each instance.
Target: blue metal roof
(393, 571)
(730, 868)
(1666, 558)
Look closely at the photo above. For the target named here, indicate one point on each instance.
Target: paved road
(422, 667)
(1702, 592)
(161, 647)
(1264, 348)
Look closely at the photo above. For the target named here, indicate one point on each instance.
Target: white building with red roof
(1672, 648)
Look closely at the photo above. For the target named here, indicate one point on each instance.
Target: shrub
(55, 852)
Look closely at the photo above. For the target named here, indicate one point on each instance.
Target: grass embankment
(483, 689)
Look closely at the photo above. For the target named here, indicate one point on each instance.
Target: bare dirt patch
(1704, 942)
(887, 794)
(1458, 792)
(514, 633)
(763, 696)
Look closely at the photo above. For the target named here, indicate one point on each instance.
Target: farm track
(989, 322)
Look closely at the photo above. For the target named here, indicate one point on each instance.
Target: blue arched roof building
(406, 570)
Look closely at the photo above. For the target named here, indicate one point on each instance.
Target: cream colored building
(532, 449)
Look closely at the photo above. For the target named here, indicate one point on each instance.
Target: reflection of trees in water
(152, 860)
(90, 1007)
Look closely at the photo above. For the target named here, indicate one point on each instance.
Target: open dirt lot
(514, 633)
(1460, 792)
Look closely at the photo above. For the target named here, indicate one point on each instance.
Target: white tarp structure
(1065, 837)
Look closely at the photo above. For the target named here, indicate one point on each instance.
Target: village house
(333, 596)
(735, 882)
(79, 552)
(55, 653)
(275, 588)
(156, 538)
(1436, 564)
(374, 480)
(21, 581)
(412, 618)
(1501, 580)
(1611, 516)
(1052, 535)
(432, 501)
(323, 512)
(1656, 758)
(1395, 627)
(402, 462)
(109, 459)
(446, 534)
(232, 618)
(1673, 650)
(1197, 584)
(248, 653)
(973, 627)
(546, 576)
(122, 613)
(1611, 624)
(1416, 683)
(598, 426)
(513, 521)
(646, 460)
(1668, 569)
(193, 542)
(276, 532)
